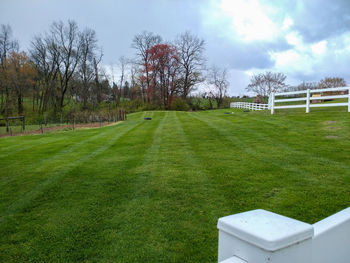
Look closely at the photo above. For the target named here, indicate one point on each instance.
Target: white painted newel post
(308, 101)
(260, 236)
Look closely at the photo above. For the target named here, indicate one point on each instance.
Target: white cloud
(319, 48)
(287, 23)
(293, 61)
(295, 39)
(248, 19)
(319, 59)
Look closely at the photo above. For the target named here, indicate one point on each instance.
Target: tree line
(62, 72)
(62, 69)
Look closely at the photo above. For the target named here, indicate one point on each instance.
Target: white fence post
(272, 102)
(260, 236)
(348, 99)
(308, 101)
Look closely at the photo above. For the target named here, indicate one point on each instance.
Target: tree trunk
(19, 102)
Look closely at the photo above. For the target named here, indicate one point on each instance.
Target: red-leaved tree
(163, 74)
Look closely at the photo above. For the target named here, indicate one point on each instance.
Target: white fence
(249, 106)
(308, 98)
(260, 236)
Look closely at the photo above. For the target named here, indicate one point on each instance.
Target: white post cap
(265, 229)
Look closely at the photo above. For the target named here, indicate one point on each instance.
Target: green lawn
(152, 191)
(18, 128)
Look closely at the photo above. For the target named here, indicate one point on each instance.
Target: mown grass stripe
(290, 174)
(29, 196)
(61, 157)
(156, 193)
(304, 152)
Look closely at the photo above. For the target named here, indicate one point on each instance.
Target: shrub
(179, 105)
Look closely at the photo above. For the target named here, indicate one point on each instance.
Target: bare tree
(143, 42)
(331, 83)
(86, 71)
(7, 45)
(217, 79)
(123, 62)
(190, 49)
(306, 85)
(98, 87)
(265, 83)
(68, 41)
(45, 58)
(59, 55)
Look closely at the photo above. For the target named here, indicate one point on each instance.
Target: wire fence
(15, 125)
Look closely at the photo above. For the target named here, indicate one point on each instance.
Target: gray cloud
(316, 19)
(117, 22)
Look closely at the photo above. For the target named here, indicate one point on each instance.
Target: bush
(179, 105)
(135, 105)
(226, 102)
(150, 107)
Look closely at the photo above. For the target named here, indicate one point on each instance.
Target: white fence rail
(308, 99)
(249, 106)
(260, 236)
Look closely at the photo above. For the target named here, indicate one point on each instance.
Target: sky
(305, 39)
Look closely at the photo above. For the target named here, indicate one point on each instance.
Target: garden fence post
(308, 101)
(7, 125)
(23, 123)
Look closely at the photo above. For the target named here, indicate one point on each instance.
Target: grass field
(18, 128)
(152, 191)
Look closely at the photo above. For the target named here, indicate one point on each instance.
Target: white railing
(260, 236)
(249, 105)
(308, 99)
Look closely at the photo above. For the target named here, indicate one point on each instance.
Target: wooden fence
(308, 98)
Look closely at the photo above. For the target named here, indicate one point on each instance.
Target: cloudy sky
(305, 39)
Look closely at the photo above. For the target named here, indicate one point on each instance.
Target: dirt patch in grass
(330, 122)
(331, 137)
(332, 128)
(62, 127)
